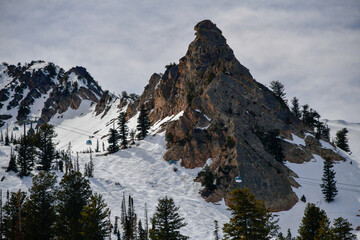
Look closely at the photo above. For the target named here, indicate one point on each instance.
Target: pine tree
(94, 219)
(40, 207)
(72, 196)
(25, 159)
(216, 230)
(295, 107)
(128, 219)
(123, 129)
(97, 149)
(89, 168)
(141, 232)
(341, 140)
(250, 219)
(12, 163)
(310, 222)
(113, 141)
(1, 137)
(166, 221)
(143, 125)
(342, 230)
(208, 178)
(46, 146)
(13, 217)
(7, 137)
(324, 232)
(132, 137)
(329, 183)
(278, 89)
(103, 146)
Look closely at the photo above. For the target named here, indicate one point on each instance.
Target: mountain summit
(230, 118)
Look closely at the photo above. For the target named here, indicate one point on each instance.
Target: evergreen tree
(341, 140)
(166, 221)
(12, 163)
(97, 149)
(324, 232)
(305, 113)
(208, 178)
(13, 217)
(128, 219)
(113, 141)
(132, 137)
(94, 219)
(329, 184)
(342, 230)
(46, 146)
(250, 219)
(123, 129)
(7, 140)
(310, 223)
(278, 89)
(103, 146)
(72, 196)
(40, 207)
(25, 159)
(89, 168)
(141, 232)
(1, 137)
(216, 230)
(143, 125)
(295, 107)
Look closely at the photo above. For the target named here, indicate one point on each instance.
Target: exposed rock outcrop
(38, 79)
(229, 117)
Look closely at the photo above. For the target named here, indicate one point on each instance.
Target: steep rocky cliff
(230, 118)
(43, 89)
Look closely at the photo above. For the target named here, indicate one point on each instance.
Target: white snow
(296, 140)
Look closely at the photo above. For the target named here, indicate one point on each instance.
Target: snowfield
(142, 172)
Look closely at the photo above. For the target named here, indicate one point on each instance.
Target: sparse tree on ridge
(123, 129)
(329, 183)
(341, 140)
(143, 125)
(295, 107)
(279, 90)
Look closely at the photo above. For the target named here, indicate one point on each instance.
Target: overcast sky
(312, 47)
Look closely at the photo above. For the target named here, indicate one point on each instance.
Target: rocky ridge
(55, 89)
(230, 118)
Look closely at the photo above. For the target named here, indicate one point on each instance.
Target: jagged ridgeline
(43, 89)
(247, 131)
(232, 119)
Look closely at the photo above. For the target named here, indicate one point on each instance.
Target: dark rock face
(227, 116)
(37, 79)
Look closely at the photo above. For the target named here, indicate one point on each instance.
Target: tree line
(310, 117)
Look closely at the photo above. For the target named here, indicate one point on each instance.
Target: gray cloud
(312, 46)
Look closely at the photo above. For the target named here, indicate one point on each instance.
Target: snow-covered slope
(141, 172)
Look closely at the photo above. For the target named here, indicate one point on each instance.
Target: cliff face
(228, 117)
(44, 89)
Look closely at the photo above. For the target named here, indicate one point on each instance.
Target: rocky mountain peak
(42, 89)
(230, 118)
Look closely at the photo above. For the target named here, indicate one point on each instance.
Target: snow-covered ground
(142, 172)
